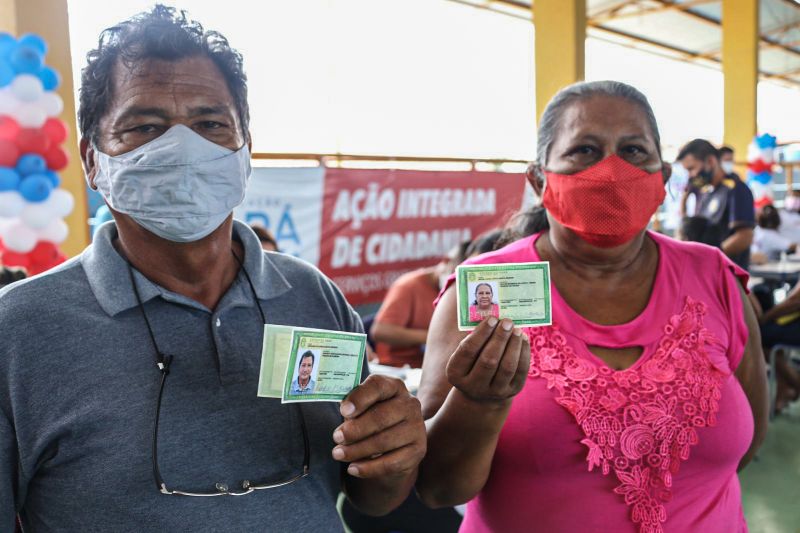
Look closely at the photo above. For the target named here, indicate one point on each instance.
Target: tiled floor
(771, 485)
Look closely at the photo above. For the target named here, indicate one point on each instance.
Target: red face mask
(607, 204)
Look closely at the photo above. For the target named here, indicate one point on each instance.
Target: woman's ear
(535, 176)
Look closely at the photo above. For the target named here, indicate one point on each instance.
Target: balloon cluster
(32, 205)
(760, 157)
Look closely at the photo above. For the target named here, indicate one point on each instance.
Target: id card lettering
(518, 291)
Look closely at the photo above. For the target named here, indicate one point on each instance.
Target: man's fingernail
(347, 408)
(507, 324)
(338, 436)
(352, 470)
(338, 453)
(517, 332)
(492, 321)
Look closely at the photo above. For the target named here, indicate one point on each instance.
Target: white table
(788, 271)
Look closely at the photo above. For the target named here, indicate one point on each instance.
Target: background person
(725, 208)
(592, 419)
(768, 242)
(401, 324)
(265, 236)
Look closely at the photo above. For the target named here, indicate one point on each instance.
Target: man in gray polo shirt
(167, 307)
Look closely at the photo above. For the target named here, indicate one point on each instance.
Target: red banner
(379, 224)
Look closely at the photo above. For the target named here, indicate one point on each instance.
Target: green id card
(519, 291)
(323, 365)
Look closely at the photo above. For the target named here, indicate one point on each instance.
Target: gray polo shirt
(78, 386)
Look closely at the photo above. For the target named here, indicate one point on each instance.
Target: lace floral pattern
(641, 422)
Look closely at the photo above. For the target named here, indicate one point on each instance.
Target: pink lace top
(648, 449)
(476, 316)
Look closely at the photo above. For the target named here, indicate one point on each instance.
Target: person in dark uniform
(725, 215)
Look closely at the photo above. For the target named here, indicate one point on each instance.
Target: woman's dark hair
(768, 217)
(478, 286)
(534, 220)
(485, 242)
(161, 33)
(10, 275)
(265, 236)
(307, 353)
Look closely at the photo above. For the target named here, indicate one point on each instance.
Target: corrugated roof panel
(777, 61)
(672, 28)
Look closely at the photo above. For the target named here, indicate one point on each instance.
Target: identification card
(518, 291)
(304, 364)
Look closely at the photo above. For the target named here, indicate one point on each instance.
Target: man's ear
(666, 171)
(88, 162)
(535, 176)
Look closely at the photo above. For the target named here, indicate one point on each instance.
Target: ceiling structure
(689, 30)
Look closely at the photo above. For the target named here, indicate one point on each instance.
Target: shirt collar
(109, 277)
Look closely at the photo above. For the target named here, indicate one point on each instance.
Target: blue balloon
(7, 44)
(50, 78)
(762, 177)
(7, 73)
(31, 164)
(26, 60)
(9, 179)
(766, 141)
(53, 177)
(34, 41)
(36, 188)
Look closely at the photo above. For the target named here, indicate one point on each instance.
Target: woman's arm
(468, 383)
(788, 306)
(752, 375)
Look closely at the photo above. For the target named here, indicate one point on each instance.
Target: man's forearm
(737, 243)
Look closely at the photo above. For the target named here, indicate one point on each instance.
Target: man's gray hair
(551, 118)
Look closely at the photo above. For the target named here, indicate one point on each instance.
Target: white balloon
(60, 202)
(55, 232)
(27, 88)
(753, 152)
(37, 215)
(19, 238)
(52, 104)
(30, 115)
(767, 154)
(8, 103)
(11, 204)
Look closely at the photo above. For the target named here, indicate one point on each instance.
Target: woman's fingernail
(507, 324)
(492, 321)
(347, 408)
(352, 470)
(338, 436)
(338, 453)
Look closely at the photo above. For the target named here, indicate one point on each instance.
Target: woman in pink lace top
(634, 410)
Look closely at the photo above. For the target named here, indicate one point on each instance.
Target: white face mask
(727, 167)
(179, 186)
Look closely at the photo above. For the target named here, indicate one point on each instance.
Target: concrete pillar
(740, 38)
(560, 29)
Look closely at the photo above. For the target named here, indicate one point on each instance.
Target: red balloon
(33, 141)
(56, 130)
(9, 153)
(57, 159)
(758, 166)
(44, 252)
(14, 259)
(8, 128)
